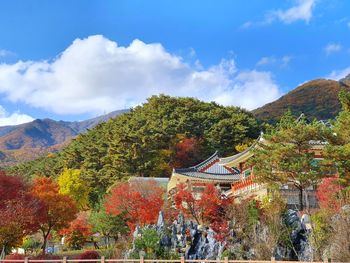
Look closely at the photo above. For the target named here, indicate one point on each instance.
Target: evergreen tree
(286, 156)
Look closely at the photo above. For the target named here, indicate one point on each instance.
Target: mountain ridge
(317, 99)
(27, 141)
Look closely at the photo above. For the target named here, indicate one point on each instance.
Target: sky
(72, 60)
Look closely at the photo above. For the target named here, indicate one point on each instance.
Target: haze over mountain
(316, 99)
(29, 140)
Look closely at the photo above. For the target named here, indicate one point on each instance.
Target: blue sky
(73, 60)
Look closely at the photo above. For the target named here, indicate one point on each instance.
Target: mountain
(29, 140)
(316, 99)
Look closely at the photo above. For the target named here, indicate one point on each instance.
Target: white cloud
(13, 119)
(301, 11)
(95, 75)
(332, 48)
(282, 61)
(339, 74)
(5, 53)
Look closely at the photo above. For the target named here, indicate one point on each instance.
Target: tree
(78, 232)
(286, 156)
(208, 209)
(108, 225)
(60, 209)
(337, 152)
(18, 210)
(143, 142)
(139, 201)
(328, 194)
(71, 184)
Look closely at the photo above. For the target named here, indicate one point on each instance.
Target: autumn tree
(286, 156)
(78, 232)
(18, 210)
(60, 209)
(139, 201)
(71, 183)
(209, 208)
(329, 194)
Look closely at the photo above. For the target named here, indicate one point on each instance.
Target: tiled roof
(211, 170)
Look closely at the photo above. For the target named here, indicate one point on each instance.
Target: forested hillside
(317, 99)
(150, 140)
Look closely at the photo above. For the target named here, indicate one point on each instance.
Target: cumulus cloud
(339, 74)
(95, 75)
(14, 118)
(332, 48)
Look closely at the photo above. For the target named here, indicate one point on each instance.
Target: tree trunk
(301, 205)
(45, 236)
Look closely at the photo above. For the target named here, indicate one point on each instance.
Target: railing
(142, 260)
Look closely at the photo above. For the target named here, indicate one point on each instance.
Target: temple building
(246, 187)
(208, 171)
(235, 177)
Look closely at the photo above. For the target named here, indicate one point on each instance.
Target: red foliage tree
(328, 194)
(59, 211)
(78, 232)
(139, 201)
(187, 152)
(209, 208)
(18, 209)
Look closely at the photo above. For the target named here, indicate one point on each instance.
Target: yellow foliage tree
(70, 183)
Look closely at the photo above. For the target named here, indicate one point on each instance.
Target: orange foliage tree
(78, 232)
(209, 208)
(138, 201)
(59, 211)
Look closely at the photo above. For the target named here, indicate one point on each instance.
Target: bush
(89, 254)
(14, 257)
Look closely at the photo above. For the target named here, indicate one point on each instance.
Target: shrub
(14, 257)
(89, 254)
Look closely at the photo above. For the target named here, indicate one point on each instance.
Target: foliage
(338, 150)
(78, 232)
(139, 201)
(148, 141)
(148, 244)
(59, 210)
(208, 209)
(328, 194)
(108, 225)
(286, 156)
(31, 244)
(321, 232)
(71, 184)
(18, 210)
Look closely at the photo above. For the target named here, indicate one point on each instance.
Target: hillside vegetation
(149, 141)
(316, 99)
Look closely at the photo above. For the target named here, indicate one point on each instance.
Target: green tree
(286, 156)
(338, 151)
(109, 226)
(71, 184)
